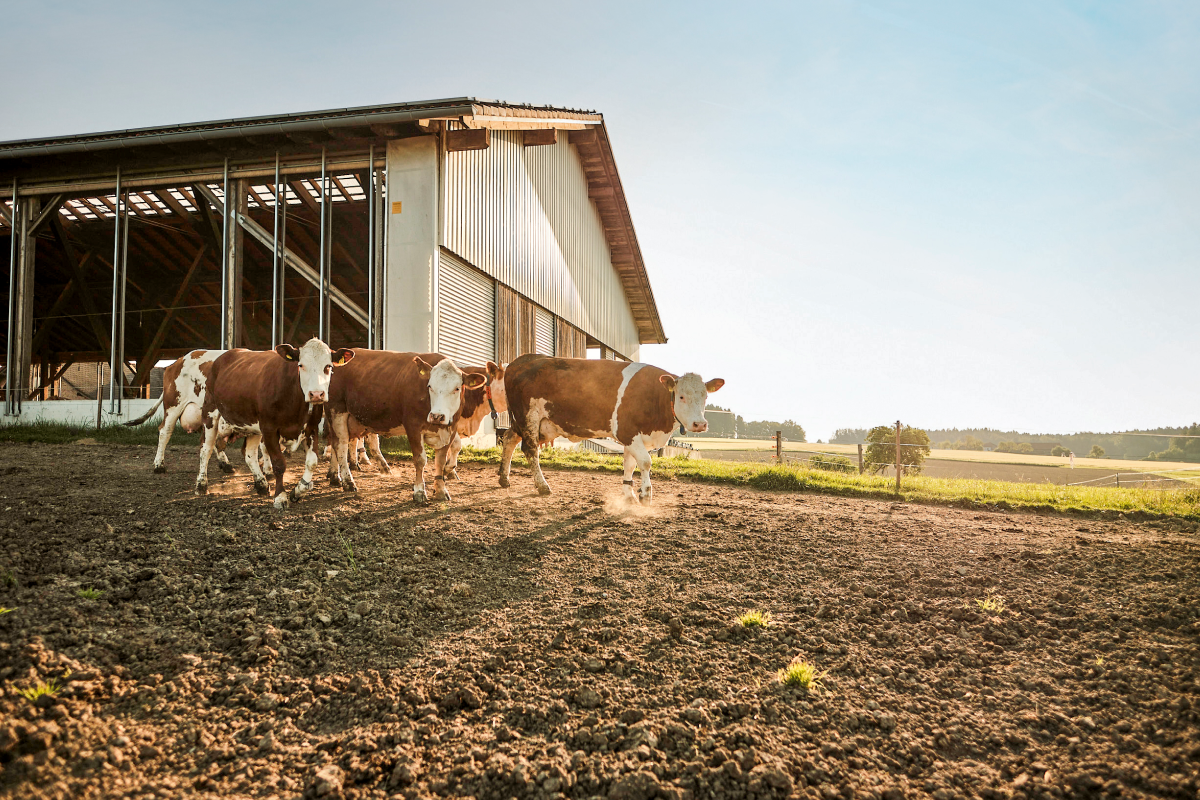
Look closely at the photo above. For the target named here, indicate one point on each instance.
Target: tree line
(728, 425)
(1166, 444)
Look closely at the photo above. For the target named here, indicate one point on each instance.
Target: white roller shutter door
(466, 313)
(543, 324)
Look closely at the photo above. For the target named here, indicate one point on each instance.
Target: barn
(475, 228)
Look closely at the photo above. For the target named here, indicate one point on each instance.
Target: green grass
(348, 552)
(4, 610)
(802, 674)
(755, 619)
(61, 433)
(90, 593)
(49, 687)
(958, 492)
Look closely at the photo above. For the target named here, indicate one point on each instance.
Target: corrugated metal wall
(522, 215)
(466, 313)
(543, 322)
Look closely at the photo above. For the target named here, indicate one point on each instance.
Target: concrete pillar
(410, 274)
(22, 323)
(233, 336)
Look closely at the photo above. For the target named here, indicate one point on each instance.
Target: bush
(881, 449)
(832, 463)
(1059, 450)
(1096, 452)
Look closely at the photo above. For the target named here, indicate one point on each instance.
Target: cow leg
(532, 454)
(439, 474)
(206, 449)
(639, 451)
(165, 430)
(451, 469)
(511, 440)
(310, 460)
(260, 481)
(278, 465)
(223, 460)
(364, 455)
(627, 482)
(268, 468)
(340, 436)
(419, 460)
(373, 441)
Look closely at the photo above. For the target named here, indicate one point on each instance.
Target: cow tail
(147, 415)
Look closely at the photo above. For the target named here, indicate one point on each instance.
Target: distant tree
(1096, 452)
(989, 445)
(968, 443)
(945, 445)
(881, 449)
(1024, 447)
(1059, 450)
(831, 463)
(849, 436)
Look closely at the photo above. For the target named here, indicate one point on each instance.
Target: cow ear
(714, 384)
(495, 370)
(341, 356)
(668, 381)
(423, 366)
(288, 352)
(474, 380)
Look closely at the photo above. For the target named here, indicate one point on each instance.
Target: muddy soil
(507, 645)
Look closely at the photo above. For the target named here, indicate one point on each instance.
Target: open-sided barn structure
(479, 229)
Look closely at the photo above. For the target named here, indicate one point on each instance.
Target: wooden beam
(471, 139)
(585, 136)
(146, 362)
(51, 208)
(76, 267)
(49, 379)
(541, 136)
(305, 196)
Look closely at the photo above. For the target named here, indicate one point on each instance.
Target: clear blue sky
(955, 214)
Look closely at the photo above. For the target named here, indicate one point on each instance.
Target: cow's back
(248, 385)
(382, 388)
(579, 395)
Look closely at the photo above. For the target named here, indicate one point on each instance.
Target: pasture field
(976, 456)
(156, 644)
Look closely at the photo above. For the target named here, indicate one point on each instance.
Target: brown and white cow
(636, 404)
(417, 395)
(478, 403)
(273, 397)
(181, 401)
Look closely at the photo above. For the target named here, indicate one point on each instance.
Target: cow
(274, 398)
(388, 393)
(638, 405)
(468, 424)
(181, 401)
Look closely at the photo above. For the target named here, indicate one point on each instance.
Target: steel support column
(13, 221)
(322, 320)
(275, 265)
(370, 187)
(116, 358)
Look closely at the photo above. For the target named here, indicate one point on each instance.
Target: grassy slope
(976, 456)
(944, 491)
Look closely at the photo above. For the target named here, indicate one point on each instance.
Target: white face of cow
(496, 388)
(316, 363)
(445, 388)
(691, 395)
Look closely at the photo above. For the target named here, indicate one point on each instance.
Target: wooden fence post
(897, 456)
(860, 460)
(779, 446)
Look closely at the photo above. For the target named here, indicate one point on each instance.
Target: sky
(952, 214)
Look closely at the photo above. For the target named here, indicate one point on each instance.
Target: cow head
(316, 362)
(446, 384)
(691, 395)
(495, 387)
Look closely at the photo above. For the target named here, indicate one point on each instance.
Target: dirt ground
(506, 645)
(1012, 473)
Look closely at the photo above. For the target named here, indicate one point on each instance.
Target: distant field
(1109, 465)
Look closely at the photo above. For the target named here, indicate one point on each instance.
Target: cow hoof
(442, 496)
(335, 480)
(225, 467)
(503, 481)
(262, 488)
(419, 496)
(159, 469)
(452, 474)
(349, 486)
(281, 501)
(201, 488)
(543, 490)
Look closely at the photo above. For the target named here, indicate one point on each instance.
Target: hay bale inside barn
(479, 229)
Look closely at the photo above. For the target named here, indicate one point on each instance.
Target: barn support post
(283, 258)
(236, 206)
(275, 264)
(322, 268)
(124, 288)
(115, 357)
(12, 286)
(371, 249)
(224, 323)
(897, 456)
